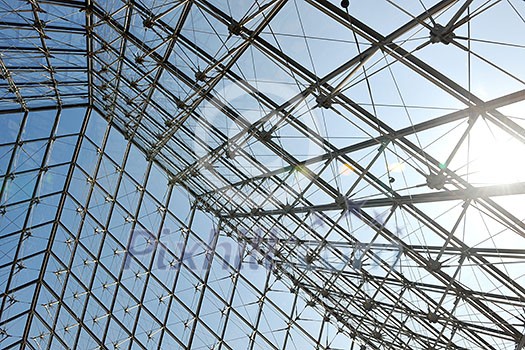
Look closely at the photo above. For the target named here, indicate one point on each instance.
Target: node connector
(235, 28)
(324, 101)
(441, 34)
(432, 317)
(433, 265)
(436, 181)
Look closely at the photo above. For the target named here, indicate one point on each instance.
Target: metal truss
(276, 174)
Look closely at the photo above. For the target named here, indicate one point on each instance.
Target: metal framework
(269, 174)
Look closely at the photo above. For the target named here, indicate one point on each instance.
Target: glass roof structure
(268, 174)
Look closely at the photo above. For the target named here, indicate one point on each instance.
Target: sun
(491, 156)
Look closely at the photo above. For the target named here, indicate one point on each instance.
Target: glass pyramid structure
(267, 174)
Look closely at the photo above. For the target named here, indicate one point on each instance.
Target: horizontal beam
(430, 197)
